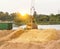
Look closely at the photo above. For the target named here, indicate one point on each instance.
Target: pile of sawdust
(12, 35)
(4, 33)
(11, 45)
(55, 44)
(33, 39)
(35, 35)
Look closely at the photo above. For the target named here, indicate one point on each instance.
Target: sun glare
(23, 13)
(23, 16)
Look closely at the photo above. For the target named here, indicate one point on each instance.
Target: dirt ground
(53, 44)
(5, 32)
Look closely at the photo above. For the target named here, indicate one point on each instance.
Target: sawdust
(31, 39)
(4, 33)
(37, 36)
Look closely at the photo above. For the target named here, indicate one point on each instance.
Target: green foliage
(39, 18)
(48, 19)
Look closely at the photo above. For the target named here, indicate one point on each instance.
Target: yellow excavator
(31, 24)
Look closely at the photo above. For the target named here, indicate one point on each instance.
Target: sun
(23, 13)
(23, 16)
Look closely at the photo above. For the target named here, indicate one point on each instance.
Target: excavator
(31, 24)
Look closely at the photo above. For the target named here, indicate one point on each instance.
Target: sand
(14, 43)
(36, 35)
(5, 32)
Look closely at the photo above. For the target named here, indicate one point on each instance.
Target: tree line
(47, 19)
(39, 18)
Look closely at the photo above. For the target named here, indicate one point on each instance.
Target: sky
(23, 6)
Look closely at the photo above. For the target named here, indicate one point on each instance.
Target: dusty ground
(53, 44)
(58, 32)
(5, 32)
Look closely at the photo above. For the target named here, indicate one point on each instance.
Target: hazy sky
(41, 6)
